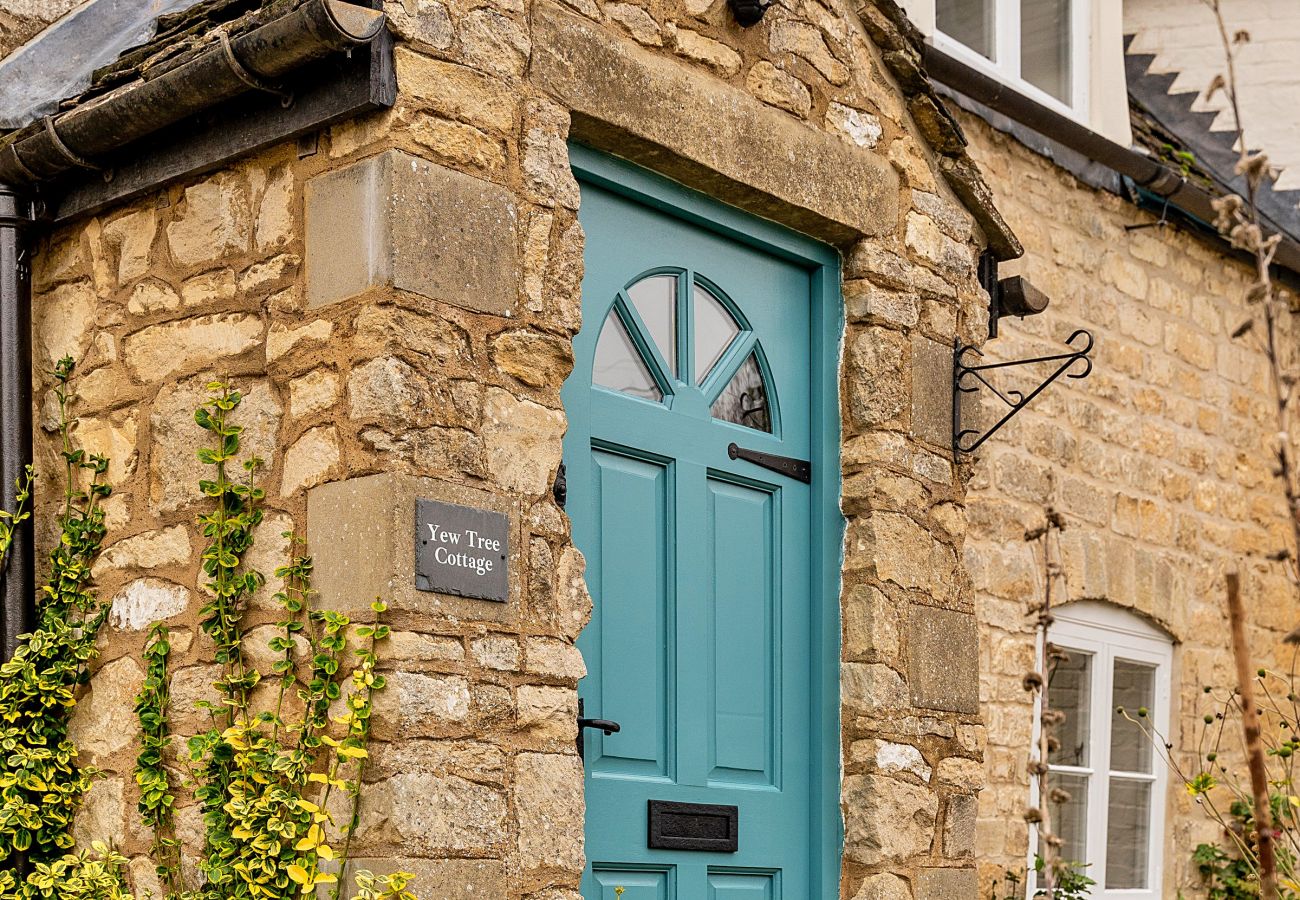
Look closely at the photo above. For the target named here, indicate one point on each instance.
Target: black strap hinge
(798, 469)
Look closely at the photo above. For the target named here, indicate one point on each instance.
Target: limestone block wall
(316, 276)
(1159, 460)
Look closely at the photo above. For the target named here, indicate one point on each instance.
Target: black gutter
(252, 61)
(18, 580)
(1146, 173)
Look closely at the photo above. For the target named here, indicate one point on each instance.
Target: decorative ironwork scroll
(967, 378)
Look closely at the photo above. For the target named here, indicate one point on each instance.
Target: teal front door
(691, 480)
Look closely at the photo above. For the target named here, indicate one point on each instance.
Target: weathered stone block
(149, 550)
(415, 705)
(430, 814)
(214, 221)
(548, 801)
(174, 436)
(873, 367)
(959, 827)
(931, 391)
(145, 601)
(158, 351)
(943, 659)
(362, 535)
(446, 879)
(887, 820)
(625, 96)
(104, 722)
(523, 441)
(311, 459)
(397, 220)
(947, 884)
(883, 887)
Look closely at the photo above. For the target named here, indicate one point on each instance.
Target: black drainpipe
(19, 578)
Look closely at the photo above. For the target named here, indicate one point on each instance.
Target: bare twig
(1039, 683)
(1254, 743)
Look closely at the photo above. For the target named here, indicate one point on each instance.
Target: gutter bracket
(248, 77)
(64, 150)
(967, 378)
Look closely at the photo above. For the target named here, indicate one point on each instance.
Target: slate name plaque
(461, 550)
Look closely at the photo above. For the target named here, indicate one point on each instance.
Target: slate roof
(1167, 128)
(178, 37)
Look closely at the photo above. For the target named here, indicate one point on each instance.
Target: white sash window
(1114, 822)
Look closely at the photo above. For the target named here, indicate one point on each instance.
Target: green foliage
(157, 804)
(1071, 883)
(79, 876)
(41, 785)
(1232, 874)
(265, 781)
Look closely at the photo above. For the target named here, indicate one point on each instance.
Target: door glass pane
(1128, 833)
(655, 298)
(715, 329)
(1070, 693)
(1045, 46)
(1069, 819)
(618, 363)
(968, 21)
(744, 399)
(1135, 685)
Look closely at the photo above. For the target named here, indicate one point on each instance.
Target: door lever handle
(607, 726)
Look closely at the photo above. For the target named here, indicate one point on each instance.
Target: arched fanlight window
(672, 330)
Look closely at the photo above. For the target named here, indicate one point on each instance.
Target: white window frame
(1110, 633)
(1005, 65)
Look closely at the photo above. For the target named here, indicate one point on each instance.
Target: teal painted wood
(715, 634)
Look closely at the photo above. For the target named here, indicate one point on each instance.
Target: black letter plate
(694, 826)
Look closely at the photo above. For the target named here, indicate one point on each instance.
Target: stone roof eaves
(901, 46)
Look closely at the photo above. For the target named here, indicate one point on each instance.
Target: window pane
(1128, 833)
(714, 331)
(655, 299)
(1045, 46)
(1070, 819)
(1071, 692)
(618, 363)
(968, 21)
(744, 399)
(1135, 685)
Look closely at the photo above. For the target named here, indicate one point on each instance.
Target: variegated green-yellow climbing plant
(264, 783)
(41, 785)
(265, 780)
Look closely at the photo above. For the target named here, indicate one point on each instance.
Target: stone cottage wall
(1159, 460)
(317, 276)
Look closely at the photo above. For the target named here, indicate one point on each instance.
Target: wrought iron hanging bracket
(967, 379)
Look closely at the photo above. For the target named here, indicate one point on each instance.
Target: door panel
(636, 885)
(743, 549)
(743, 886)
(701, 638)
(631, 569)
